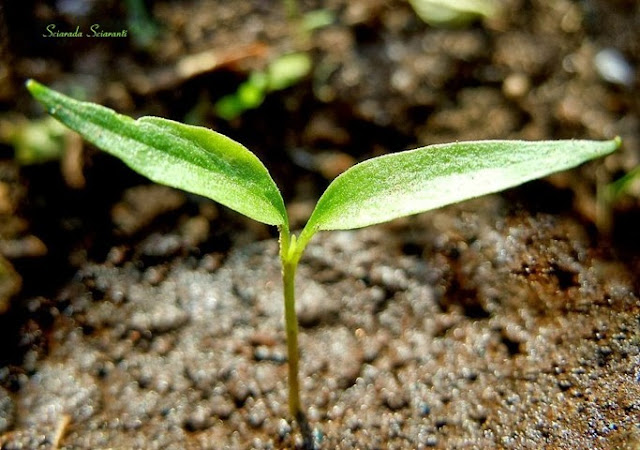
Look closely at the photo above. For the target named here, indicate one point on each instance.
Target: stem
(291, 325)
(290, 253)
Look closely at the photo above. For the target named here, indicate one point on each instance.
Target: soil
(137, 316)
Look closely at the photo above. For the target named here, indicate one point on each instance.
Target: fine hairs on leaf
(378, 190)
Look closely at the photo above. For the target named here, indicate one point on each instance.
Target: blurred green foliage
(454, 14)
(284, 72)
(34, 141)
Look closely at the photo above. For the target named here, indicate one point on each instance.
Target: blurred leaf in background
(34, 141)
(144, 30)
(454, 14)
(284, 72)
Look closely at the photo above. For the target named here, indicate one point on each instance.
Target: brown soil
(138, 316)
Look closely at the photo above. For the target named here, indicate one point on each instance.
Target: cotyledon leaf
(192, 158)
(396, 185)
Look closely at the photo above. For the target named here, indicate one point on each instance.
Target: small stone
(221, 407)
(469, 374)
(516, 85)
(117, 255)
(564, 385)
(141, 205)
(441, 422)
(195, 231)
(7, 411)
(393, 279)
(257, 415)
(425, 409)
(392, 395)
(161, 320)
(353, 423)
(161, 245)
(371, 349)
(613, 67)
(211, 262)
(284, 429)
(394, 400)
(431, 441)
(604, 350)
(155, 274)
(315, 306)
(239, 391)
(26, 247)
(199, 419)
(263, 353)
(345, 359)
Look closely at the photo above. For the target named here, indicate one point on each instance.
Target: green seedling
(143, 29)
(34, 141)
(309, 21)
(623, 184)
(612, 193)
(458, 14)
(378, 190)
(283, 72)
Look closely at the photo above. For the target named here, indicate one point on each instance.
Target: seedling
(284, 72)
(34, 141)
(611, 193)
(447, 14)
(378, 190)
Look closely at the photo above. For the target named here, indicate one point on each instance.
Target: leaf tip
(32, 85)
(617, 141)
(36, 89)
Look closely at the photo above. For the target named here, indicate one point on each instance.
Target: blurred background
(310, 86)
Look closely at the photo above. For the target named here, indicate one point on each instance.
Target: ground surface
(141, 317)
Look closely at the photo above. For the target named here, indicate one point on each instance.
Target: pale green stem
(290, 253)
(291, 325)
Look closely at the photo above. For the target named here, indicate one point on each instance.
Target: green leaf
(195, 159)
(35, 141)
(401, 184)
(459, 13)
(616, 188)
(288, 70)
